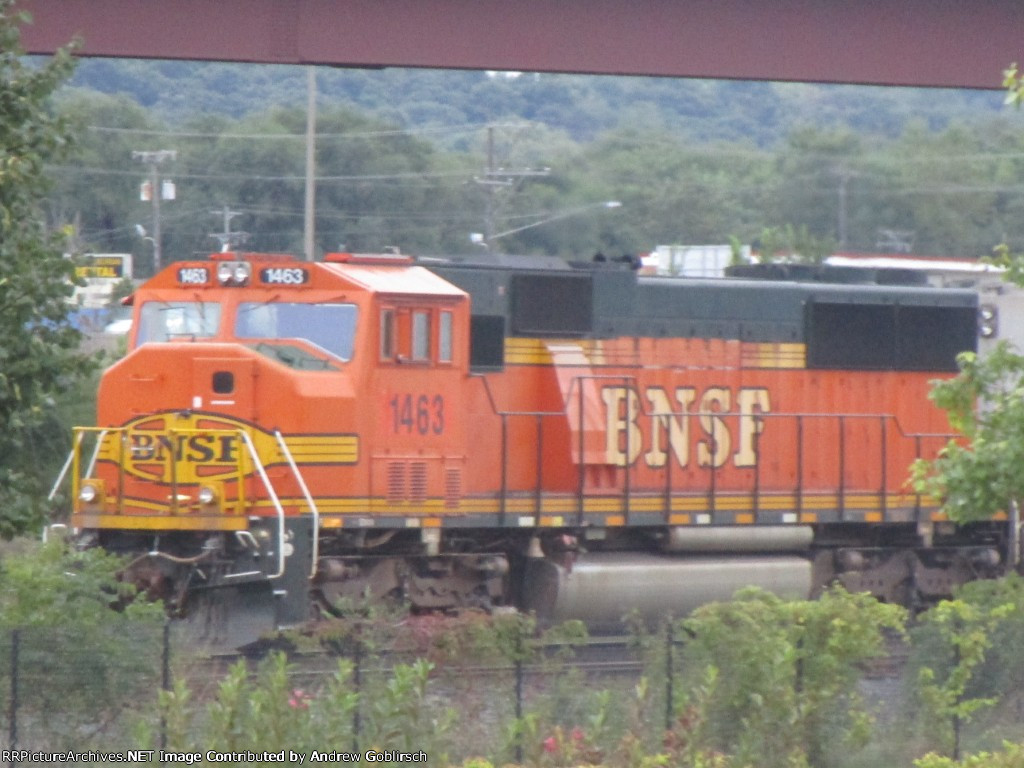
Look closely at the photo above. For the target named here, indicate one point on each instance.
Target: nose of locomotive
(223, 384)
(214, 378)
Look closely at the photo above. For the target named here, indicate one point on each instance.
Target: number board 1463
(284, 276)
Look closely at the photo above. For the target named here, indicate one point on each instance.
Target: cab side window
(421, 336)
(388, 334)
(417, 335)
(444, 341)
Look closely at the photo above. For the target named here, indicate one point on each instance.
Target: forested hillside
(420, 159)
(582, 106)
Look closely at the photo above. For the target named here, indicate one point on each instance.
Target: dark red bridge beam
(960, 43)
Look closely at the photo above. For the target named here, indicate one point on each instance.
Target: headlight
(88, 493)
(234, 272)
(988, 321)
(207, 495)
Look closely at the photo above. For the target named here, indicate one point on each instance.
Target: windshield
(330, 327)
(173, 320)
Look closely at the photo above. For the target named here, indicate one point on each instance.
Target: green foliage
(106, 130)
(763, 683)
(786, 673)
(399, 717)
(1011, 263)
(38, 347)
(1013, 83)
(672, 191)
(686, 742)
(52, 584)
(794, 245)
(266, 711)
(965, 629)
(964, 660)
(812, 170)
(1012, 756)
(581, 106)
(999, 675)
(398, 153)
(979, 475)
(82, 666)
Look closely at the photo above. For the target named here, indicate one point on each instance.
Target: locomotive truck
(288, 438)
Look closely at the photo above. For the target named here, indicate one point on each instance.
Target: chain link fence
(77, 691)
(103, 694)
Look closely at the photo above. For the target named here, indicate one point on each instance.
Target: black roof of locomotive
(623, 302)
(547, 296)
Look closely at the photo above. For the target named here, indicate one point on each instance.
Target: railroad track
(595, 658)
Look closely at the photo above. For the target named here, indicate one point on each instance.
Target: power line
(463, 128)
(410, 175)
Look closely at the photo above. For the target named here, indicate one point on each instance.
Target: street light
(141, 232)
(479, 239)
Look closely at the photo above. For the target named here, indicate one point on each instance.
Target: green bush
(81, 666)
(1012, 756)
(786, 674)
(268, 712)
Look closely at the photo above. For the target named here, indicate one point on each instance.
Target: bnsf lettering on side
(663, 427)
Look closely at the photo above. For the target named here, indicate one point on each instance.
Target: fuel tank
(602, 588)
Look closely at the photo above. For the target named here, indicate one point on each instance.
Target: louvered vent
(418, 481)
(396, 481)
(452, 487)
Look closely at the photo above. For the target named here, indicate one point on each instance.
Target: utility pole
(495, 178)
(228, 239)
(309, 230)
(844, 175)
(153, 159)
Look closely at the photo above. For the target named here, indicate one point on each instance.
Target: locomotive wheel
(423, 583)
(344, 585)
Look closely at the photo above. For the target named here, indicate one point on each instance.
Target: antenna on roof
(229, 240)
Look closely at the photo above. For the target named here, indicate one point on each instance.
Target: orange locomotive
(286, 436)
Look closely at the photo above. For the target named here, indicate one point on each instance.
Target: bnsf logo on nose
(197, 449)
(184, 458)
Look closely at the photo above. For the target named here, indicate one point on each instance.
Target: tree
(966, 630)
(673, 191)
(978, 475)
(816, 176)
(98, 190)
(38, 347)
(786, 673)
(794, 245)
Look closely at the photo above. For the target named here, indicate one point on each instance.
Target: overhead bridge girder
(892, 42)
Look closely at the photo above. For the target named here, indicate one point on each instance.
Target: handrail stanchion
(273, 498)
(885, 469)
(842, 468)
(72, 454)
(309, 499)
(96, 452)
(538, 497)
